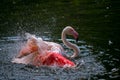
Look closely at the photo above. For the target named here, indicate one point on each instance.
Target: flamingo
(38, 52)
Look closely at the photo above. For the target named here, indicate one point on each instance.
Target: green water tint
(96, 21)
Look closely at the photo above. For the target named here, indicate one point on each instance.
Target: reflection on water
(95, 20)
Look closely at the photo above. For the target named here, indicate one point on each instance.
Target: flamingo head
(71, 31)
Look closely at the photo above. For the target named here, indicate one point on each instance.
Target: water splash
(88, 66)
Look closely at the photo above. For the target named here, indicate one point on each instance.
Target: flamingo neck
(70, 45)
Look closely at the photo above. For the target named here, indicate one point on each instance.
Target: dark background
(96, 21)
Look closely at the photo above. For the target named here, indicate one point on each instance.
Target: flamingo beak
(75, 34)
(77, 39)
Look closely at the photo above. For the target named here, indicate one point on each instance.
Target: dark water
(96, 21)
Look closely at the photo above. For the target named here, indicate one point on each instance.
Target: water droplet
(107, 7)
(110, 42)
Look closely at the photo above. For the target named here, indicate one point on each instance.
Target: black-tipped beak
(77, 39)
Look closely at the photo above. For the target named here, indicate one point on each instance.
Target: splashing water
(87, 65)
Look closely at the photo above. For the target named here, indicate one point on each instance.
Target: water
(96, 21)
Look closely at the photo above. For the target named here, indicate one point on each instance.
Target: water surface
(96, 21)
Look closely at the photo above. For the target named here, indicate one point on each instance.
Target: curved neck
(70, 45)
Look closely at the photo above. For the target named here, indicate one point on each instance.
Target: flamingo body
(38, 52)
(53, 59)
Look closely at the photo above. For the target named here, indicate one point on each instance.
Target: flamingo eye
(71, 30)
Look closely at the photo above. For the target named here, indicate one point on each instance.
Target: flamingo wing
(54, 59)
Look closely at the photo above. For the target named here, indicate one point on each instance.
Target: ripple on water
(87, 68)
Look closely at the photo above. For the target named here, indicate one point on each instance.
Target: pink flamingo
(38, 52)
